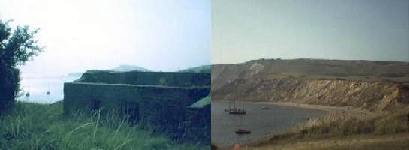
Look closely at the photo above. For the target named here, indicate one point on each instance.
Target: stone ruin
(174, 103)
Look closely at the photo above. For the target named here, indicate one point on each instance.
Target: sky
(161, 35)
(245, 30)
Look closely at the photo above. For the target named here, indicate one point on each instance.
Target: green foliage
(16, 47)
(382, 124)
(39, 126)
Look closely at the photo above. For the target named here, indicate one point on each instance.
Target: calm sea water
(264, 120)
(38, 87)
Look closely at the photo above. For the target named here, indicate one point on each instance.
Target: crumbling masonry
(174, 103)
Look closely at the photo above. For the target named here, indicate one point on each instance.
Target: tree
(16, 47)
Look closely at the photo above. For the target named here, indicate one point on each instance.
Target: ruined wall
(374, 96)
(198, 121)
(163, 108)
(177, 79)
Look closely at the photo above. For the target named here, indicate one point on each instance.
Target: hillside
(372, 85)
(370, 100)
(125, 68)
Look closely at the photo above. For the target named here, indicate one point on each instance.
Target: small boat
(237, 111)
(243, 131)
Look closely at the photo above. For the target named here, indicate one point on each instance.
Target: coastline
(328, 109)
(280, 124)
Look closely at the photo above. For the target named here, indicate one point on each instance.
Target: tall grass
(40, 126)
(337, 124)
(340, 127)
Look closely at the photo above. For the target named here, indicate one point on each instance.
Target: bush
(9, 83)
(16, 47)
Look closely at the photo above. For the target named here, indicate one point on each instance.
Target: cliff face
(375, 90)
(368, 95)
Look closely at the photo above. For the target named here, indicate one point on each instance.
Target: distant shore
(320, 107)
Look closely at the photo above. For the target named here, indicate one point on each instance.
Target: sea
(37, 87)
(263, 120)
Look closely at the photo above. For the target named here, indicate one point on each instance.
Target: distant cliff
(125, 68)
(199, 69)
(372, 85)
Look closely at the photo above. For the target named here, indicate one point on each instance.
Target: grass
(340, 130)
(344, 124)
(355, 142)
(41, 126)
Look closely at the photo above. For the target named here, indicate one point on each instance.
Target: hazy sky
(100, 34)
(333, 29)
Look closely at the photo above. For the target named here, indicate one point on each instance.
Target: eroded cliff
(375, 86)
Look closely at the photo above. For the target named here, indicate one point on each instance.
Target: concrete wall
(177, 79)
(163, 108)
(197, 124)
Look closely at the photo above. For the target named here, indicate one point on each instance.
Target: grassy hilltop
(43, 126)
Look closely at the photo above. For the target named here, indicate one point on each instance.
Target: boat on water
(242, 131)
(237, 111)
(234, 110)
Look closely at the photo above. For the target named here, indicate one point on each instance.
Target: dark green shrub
(16, 47)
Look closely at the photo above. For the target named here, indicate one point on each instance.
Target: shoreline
(328, 109)
(263, 107)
